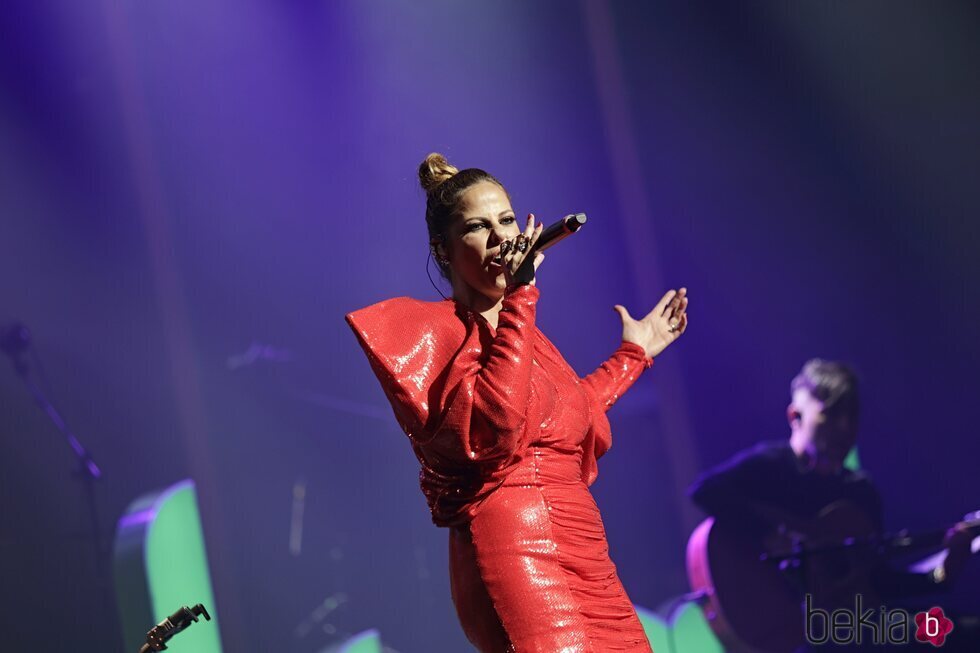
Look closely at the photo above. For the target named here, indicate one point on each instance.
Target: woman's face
(484, 220)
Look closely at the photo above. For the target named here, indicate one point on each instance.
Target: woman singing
(506, 432)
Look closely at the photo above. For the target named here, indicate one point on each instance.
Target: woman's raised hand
(661, 326)
(518, 267)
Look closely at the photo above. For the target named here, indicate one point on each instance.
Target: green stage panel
(368, 641)
(690, 631)
(160, 564)
(656, 630)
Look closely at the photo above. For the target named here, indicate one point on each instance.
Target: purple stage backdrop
(193, 194)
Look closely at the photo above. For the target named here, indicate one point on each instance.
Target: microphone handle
(558, 231)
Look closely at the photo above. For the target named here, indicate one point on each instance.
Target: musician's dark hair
(444, 186)
(832, 382)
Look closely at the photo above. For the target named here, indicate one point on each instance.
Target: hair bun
(434, 170)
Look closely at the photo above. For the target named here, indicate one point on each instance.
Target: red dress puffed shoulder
(508, 437)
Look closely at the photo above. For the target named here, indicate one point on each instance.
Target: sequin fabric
(508, 438)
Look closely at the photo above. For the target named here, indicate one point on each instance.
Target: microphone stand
(15, 342)
(159, 635)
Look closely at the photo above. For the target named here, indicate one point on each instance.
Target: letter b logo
(932, 626)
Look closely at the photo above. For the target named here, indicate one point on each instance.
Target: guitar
(754, 585)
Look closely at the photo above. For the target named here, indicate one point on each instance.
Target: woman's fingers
(524, 244)
(519, 267)
(670, 303)
(682, 325)
(679, 307)
(514, 254)
(679, 296)
(521, 244)
(661, 306)
(535, 234)
(677, 323)
(671, 312)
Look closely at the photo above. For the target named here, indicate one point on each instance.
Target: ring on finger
(522, 243)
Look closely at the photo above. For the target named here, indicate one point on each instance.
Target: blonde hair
(434, 170)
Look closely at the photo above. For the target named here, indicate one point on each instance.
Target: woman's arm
(642, 340)
(615, 376)
(482, 416)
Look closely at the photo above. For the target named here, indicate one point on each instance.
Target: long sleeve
(764, 487)
(615, 376)
(460, 390)
(732, 488)
(482, 415)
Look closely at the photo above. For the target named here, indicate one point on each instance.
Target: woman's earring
(441, 260)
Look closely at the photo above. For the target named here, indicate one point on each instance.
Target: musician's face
(823, 436)
(484, 220)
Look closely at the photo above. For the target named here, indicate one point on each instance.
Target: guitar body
(834, 578)
(752, 605)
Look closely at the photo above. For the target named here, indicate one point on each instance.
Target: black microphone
(558, 231)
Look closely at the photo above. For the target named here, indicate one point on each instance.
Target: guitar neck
(926, 565)
(903, 541)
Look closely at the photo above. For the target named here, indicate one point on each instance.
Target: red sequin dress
(508, 436)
